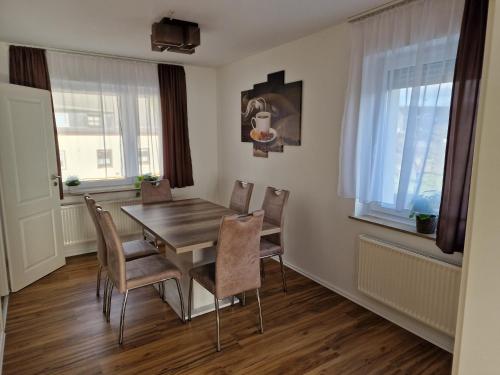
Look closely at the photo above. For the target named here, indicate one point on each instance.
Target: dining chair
(240, 197)
(132, 249)
(155, 192)
(274, 205)
(236, 268)
(134, 274)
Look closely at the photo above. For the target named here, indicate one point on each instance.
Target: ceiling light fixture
(175, 35)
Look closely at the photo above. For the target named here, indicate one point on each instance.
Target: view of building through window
(104, 158)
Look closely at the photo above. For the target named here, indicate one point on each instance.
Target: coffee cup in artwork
(262, 122)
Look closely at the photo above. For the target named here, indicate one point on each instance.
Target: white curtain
(396, 112)
(108, 116)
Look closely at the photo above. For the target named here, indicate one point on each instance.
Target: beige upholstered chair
(240, 198)
(126, 276)
(132, 249)
(236, 267)
(274, 206)
(156, 191)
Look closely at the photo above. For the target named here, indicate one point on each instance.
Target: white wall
(4, 77)
(320, 238)
(477, 349)
(4, 62)
(202, 118)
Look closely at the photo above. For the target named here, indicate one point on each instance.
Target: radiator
(419, 286)
(78, 227)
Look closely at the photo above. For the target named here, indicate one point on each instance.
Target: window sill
(79, 191)
(394, 225)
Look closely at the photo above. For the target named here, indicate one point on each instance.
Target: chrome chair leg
(190, 298)
(163, 288)
(261, 324)
(108, 299)
(99, 271)
(243, 299)
(181, 299)
(161, 291)
(217, 321)
(283, 274)
(232, 301)
(110, 295)
(122, 317)
(105, 295)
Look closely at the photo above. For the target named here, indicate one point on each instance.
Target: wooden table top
(185, 225)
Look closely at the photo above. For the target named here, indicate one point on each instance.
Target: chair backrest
(274, 206)
(156, 191)
(101, 244)
(240, 198)
(116, 258)
(237, 264)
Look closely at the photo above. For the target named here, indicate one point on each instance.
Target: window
(396, 115)
(62, 158)
(93, 120)
(62, 120)
(104, 158)
(108, 117)
(144, 156)
(414, 136)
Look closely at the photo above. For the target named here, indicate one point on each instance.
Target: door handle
(56, 179)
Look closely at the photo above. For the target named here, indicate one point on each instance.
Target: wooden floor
(55, 326)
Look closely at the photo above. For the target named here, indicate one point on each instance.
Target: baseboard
(78, 251)
(443, 343)
(2, 334)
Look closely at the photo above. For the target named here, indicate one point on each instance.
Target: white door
(4, 284)
(30, 192)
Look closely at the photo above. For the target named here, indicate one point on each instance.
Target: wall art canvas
(271, 114)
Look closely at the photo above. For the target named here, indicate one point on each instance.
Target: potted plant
(425, 208)
(72, 181)
(145, 177)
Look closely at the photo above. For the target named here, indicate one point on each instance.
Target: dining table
(189, 229)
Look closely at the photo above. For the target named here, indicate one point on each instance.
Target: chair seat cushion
(138, 249)
(205, 275)
(267, 248)
(150, 270)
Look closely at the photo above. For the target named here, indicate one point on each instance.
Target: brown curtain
(176, 152)
(28, 67)
(460, 146)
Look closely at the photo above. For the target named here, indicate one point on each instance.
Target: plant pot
(427, 225)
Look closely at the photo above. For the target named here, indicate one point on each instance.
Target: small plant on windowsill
(72, 181)
(425, 208)
(145, 177)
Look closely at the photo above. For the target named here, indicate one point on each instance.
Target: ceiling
(230, 29)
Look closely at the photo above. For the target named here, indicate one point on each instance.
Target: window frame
(108, 154)
(119, 181)
(376, 209)
(388, 214)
